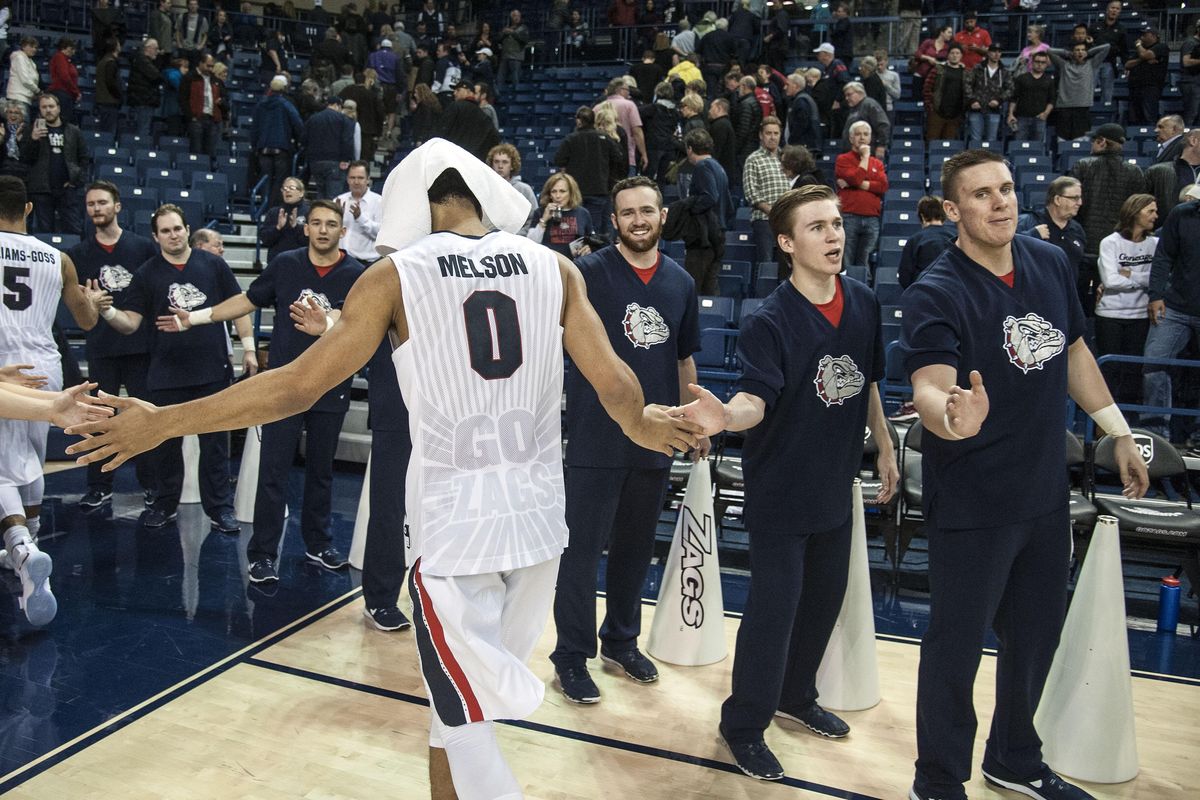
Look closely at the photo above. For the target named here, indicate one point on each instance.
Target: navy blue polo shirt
(815, 379)
(652, 327)
(961, 315)
(194, 357)
(114, 271)
(291, 277)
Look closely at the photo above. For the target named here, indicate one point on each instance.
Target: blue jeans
(1166, 340)
(861, 235)
(981, 126)
(1030, 129)
(329, 179)
(600, 210)
(1106, 76)
(510, 72)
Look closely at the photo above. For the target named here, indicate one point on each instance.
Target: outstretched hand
(966, 409)
(133, 430)
(75, 406)
(175, 322)
(706, 411)
(15, 374)
(308, 316)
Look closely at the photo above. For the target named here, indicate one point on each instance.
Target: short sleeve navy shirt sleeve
(114, 271)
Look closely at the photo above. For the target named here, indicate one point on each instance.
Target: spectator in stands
(388, 70)
(350, 110)
(513, 38)
(1147, 77)
(275, 135)
(764, 183)
(630, 120)
(64, 78)
(660, 120)
(274, 56)
(426, 113)
(145, 81)
(423, 66)
(362, 209)
(108, 22)
(109, 89)
(862, 183)
(202, 103)
(717, 49)
(1169, 135)
(171, 112)
(465, 124)
(160, 26)
(946, 96)
(1121, 321)
(861, 107)
(309, 102)
(331, 50)
(482, 70)
(989, 87)
(56, 158)
(923, 247)
(832, 67)
(12, 135)
(930, 53)
(282, 227)
(799, 167)
(210, 241)
(841, 34)
(724, 138)
(576, 36)
(483, 94)
(1055, 221)
(1107, 180)
(686, 69)
(684, 42)
(1109, 31)
(1168, 179)
(560, 221)
(346, 78)
(329, 147)
(222, 36)
(354, 34)
(803, 116)
(701, 218)
(594, 161)
(743, 26)
(483, 39)
(245, 23)
(974, 39)
(1024, 62)
(433, 19)
(191, 33)
(777, 38)
(365, 94)
(1174, 308)
(1076, 84)
(871, 82)
(1033, 101)
(1189, 77)
(23, 77)
(648, 72)
(5, 20)
(506, 162)
(747, 117)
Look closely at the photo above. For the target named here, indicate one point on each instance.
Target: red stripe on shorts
(449, 662)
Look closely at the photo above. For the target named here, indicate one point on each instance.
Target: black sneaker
(94, 499)
(154, 518)
(387, 618)
(329, 558)
(263, 571)
(817, 720)
(226, 522)
(1046, 786)
(755, 759)
(916, 794)
(635, 665)
(577, 685)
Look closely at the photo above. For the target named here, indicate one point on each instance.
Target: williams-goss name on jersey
(496, 265)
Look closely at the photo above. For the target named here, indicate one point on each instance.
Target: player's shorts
(22, 442)
(474, 635)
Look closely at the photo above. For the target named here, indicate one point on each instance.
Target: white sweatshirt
(1125, 298)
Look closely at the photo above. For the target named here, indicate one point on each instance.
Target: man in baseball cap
(1110, 131)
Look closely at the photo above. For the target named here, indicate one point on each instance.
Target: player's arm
(76, 297)
(615, 384)
(948, 410)
(885, 460)
(1085, 384)
(64, 408)
(373, 306)
(231, 308)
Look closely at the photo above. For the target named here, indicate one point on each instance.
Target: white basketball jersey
(481, 374)
(31, 272)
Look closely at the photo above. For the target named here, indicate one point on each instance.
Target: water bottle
(1168, 604)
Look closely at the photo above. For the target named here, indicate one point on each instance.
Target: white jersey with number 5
(481, 374)
(32, 287)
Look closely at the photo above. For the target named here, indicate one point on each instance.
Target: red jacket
(863, 202)
(64, 77)
(191, 96)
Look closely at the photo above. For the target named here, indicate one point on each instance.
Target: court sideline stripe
(133, 714)
(565, 733)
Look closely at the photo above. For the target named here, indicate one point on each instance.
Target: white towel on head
(405, 217)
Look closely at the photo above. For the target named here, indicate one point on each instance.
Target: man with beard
(647, 304)
(110, 258)
(309, 285)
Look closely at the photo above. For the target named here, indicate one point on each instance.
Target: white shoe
(36, 598)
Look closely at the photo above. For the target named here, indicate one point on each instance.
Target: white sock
(477, 765)
(33, 524)
(18, 543)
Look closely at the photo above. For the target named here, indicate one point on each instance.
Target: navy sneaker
(329, 558)
(1046, 786)
(154, 518)
(577, 685)
(387, 618)
(263, 571)
(755, 759)
(94, 500)
(226, 522)
(817, 720)
(635, 665)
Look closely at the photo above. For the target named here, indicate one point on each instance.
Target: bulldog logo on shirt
(185, 296)
(1031, 341)
(321, 299)
(114, 277)
(644, 326)
(838, 379)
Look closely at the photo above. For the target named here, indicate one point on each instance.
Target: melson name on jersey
(497, 265)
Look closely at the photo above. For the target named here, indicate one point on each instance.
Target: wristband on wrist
(108, 313)
(1111, 420)
(953, 434)
(201, 317)
(248, 345)
(328, 324)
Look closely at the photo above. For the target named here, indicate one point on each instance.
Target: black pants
(617, 509)
(111, 373)
(703, 264)
(279, 442)
(1143, 104)
(277, 167)
(1013, 578)
(797, 583)
(1125, 337)
(202, 134)
(58, 213)
(167, 460)
(383, 558)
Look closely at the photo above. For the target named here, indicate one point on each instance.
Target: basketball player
(183, 367)
(615, 488)
(479, 318)
(1002, 310)
(319, 275)
(35, 277)
(110, 258)
(812, 356)
(64, 409)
